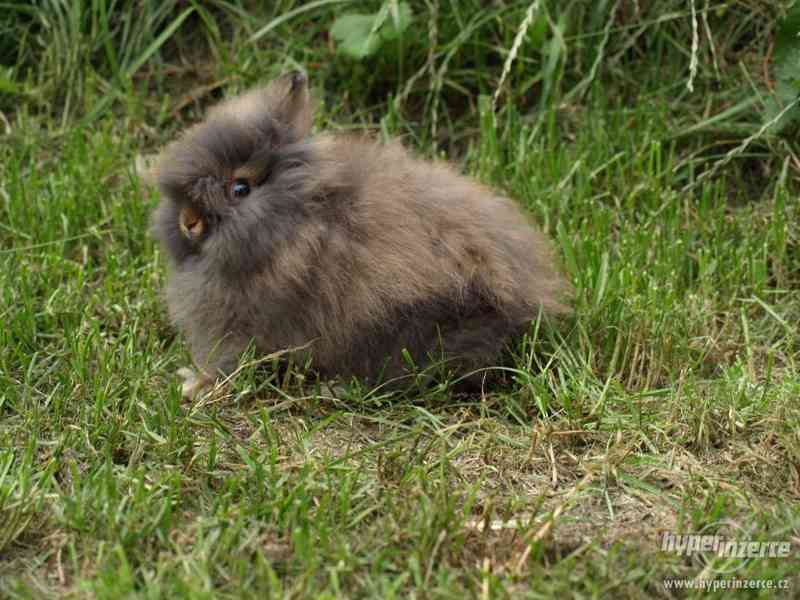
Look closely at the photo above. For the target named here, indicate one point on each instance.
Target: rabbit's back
(403, 254)
(418, 229)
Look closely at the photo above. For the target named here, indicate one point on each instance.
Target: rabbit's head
(231, 185)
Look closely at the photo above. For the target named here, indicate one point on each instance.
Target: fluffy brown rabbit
(348, 247)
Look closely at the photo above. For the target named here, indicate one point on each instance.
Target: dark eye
(240, 188)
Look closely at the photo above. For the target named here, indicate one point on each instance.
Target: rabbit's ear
(289, 102)
(285, 100)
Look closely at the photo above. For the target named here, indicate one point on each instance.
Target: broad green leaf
(786, 59)
(285, 17)
(360, 35)
(353, 32)
(401, 19)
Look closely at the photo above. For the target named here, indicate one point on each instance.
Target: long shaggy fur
(353, 246)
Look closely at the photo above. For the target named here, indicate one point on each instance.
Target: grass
(667, 403)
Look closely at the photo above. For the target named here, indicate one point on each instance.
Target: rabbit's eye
(240, 188)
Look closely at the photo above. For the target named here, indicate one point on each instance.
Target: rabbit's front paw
(193, 382)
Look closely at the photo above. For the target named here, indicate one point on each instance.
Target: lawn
(655, 143)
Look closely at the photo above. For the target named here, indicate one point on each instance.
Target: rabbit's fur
(352, 246)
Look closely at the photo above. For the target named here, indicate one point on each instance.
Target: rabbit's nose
(191, 223)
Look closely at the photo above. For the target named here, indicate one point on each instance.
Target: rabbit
(352, 250)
